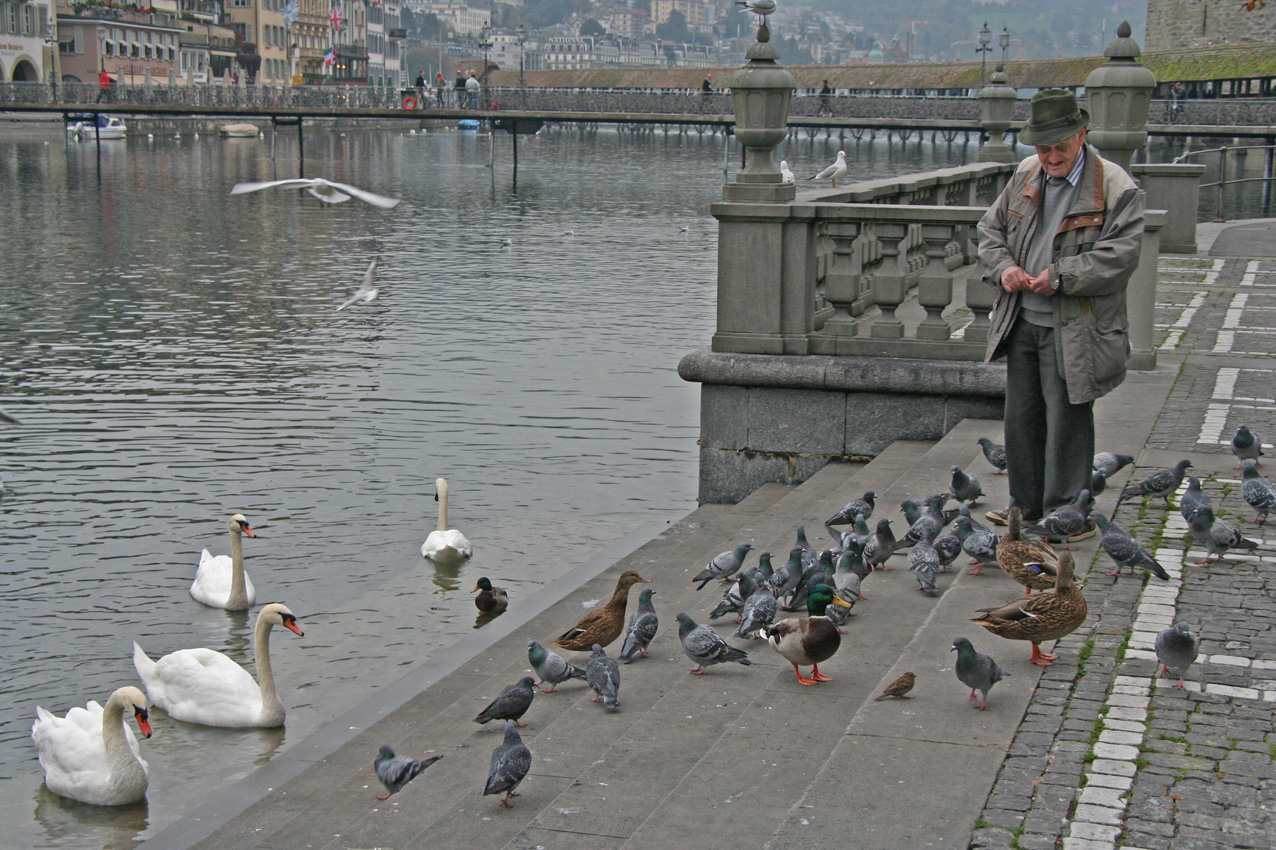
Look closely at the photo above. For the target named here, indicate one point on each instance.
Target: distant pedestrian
(707, 86)
(472, 88)
(104, 87)
(419, 85)
(440, 88)
(826, 93)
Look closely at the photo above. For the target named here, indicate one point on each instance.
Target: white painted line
(1225, 383)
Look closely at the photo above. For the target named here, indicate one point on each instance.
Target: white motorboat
(107, 127)
(239, 131)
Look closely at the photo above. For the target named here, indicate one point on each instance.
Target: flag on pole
(290, 13)
(336, 19)
(330, 58)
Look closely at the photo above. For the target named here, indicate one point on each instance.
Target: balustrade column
(935, 285)
(842, 284)
(890, 284)
(980, 298)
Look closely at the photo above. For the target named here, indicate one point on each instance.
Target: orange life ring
(409, 102)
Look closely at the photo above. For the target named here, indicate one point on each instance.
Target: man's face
(1057, 159)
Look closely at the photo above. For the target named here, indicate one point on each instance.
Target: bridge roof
(1223, 62)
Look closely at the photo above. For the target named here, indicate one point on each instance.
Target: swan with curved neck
(221, 582)
(91, 755)
(445, 545)
(206, 687)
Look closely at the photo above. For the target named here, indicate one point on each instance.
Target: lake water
(175, 357)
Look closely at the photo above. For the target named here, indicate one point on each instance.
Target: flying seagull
(324, 190)
(367, 291)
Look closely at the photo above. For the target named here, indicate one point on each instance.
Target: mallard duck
(1032, 563)
(1046, 616)
(602, 625)
(810, 640)
(490, 600)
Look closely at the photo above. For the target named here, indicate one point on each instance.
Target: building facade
(131, 46)
(25, 54)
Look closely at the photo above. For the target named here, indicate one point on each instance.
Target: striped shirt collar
(1074, 176)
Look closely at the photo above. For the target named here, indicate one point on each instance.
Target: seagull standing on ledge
(834, 171)
(785, 172)
(324, 190)
(367, 291)
(761, 8)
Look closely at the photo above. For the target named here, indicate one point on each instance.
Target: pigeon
(834, 171)
(976, 670)
(964, 487)
(847, 583)
(995, 454)
(704, 647)
(759, 611)
(787, 578)
(1246, 445)
(922, 525)
(856, 508)
(6, 417)
(947, 547)
(786, 173)
(510, 763)
(724, 565)
(1193, 498)
(977, 542)
(551, 667)
(1258, 491)
(1217, 535)
(1160, 484)
(1176, 649)
(1124, 549)
(763, 571)
(397, 771)
(882, 545)
(1063, 522)
(935, 508)
(1110, 464)
(642, 628)
(761, 8)
(899, 688)
(367, 292)
(821, 573)
(858, 538)
(325, 190)
(923, 561)
(1098, 483)
(809, 555)
(511, 704)
(603, 675)
(733, 600)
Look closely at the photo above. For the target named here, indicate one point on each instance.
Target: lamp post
(1004, 38)
(485, 43)
(761, 92)
(984, 48)
(521, 34)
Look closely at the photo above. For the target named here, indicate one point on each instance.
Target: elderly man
(1060, 244)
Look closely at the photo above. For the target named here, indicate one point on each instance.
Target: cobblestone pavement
(1110, 757)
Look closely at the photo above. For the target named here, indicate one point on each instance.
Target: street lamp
(984, 48)
(521, 34)
(485, 43)
(1004, 38)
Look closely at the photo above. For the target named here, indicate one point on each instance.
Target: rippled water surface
(175, 357)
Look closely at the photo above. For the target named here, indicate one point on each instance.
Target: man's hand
(1041, 283)
(1014, 279)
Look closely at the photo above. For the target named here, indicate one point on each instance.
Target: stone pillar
(1118, 93)
(1175, 188)
(1140, 295)
(760, 93)
(996, 106)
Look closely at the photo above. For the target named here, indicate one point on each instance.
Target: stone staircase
(740, 757)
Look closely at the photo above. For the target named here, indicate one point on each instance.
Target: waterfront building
(463, 19)
(311, 38)
(125, 42)
(385, 39)
(25, 30)
(260, 40)
(350, 43)
(207, 51)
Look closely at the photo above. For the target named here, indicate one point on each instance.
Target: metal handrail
(1222, 181)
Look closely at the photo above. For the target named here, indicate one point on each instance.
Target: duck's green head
(821, 597)
(483, 584)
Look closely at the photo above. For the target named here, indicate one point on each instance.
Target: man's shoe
(1089, 531)
(1001, 517)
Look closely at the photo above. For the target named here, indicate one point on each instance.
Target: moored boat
(107, 127)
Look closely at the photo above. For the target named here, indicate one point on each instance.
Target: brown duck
(1032, 563)
(1046, 616)
(602, 625)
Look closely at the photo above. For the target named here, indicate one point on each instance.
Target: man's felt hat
(1055, 116)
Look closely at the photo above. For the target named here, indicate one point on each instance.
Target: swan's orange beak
(290, 623)
(247, 529)
(142, 723)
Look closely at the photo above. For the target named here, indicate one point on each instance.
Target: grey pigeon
(978, 542)
(935, 508)
(994, 454)
(397, 771)
(1258, 492)
(787, 578)
(860, 535)
(1063, 522)
(704, 647)
(551, 666)
(923, 561)
(1160, 484)
(1193, 498)
(809, 555)
(1246, 445)
(724, 565)
(947, 547)
(1098, 483)
(847, 583)
(1217, 535)
(1110, 463)
(1176, 649)
(603, 675)
(642, 628)
(821, 573)
(763, 571)
(759, 611)
(882, 545)
(510, 763)
(1124, 549)
(511, 704)
(861, 507)
(964, 487)
(922, 524)
(733, 600)
(976, 670)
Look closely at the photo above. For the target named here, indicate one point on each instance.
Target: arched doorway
(25, 72)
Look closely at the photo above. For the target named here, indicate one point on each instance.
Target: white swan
(445, 545)
(221, 582)
(204, 686)
(91, 755)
